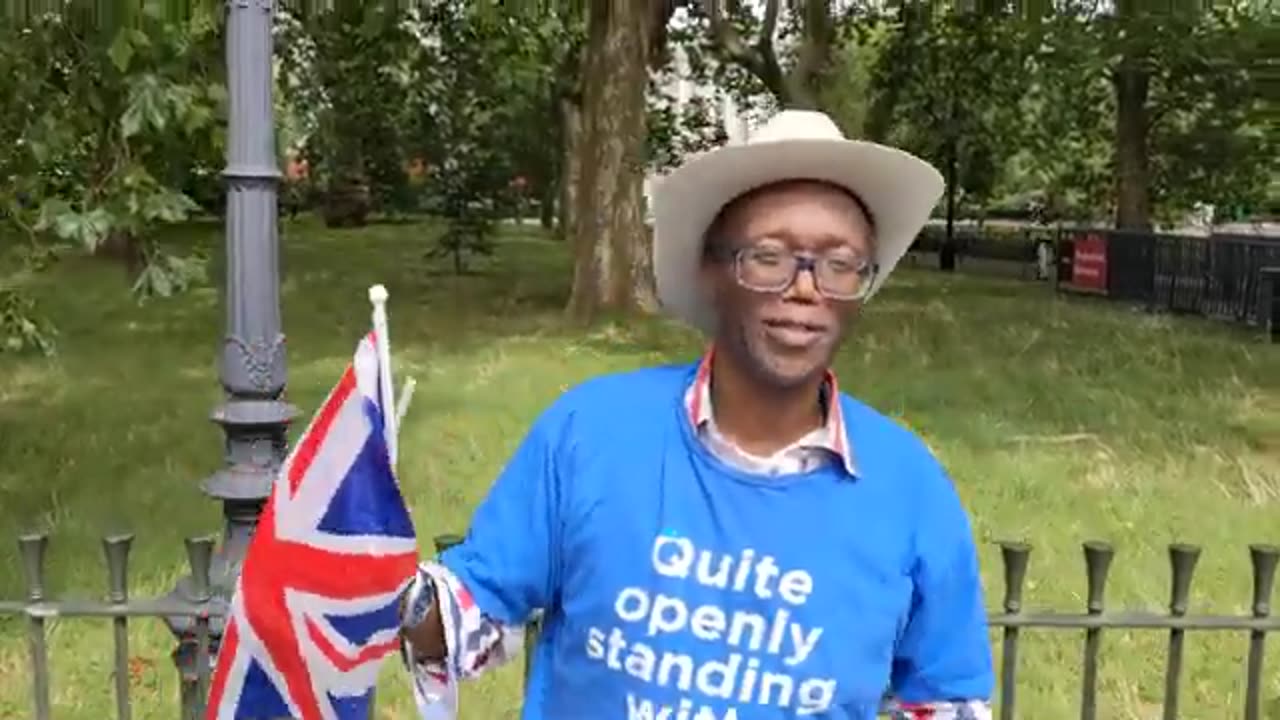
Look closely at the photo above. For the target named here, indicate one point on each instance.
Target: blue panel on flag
(357, 629)
(368, 502)
(260, 700)
(355, 707)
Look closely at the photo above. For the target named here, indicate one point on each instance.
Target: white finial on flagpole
(378, 297)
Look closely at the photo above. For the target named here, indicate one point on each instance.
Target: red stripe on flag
(343, 662)
(269, 618)
(310, 445)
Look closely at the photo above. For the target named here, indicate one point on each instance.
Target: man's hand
(427, 635)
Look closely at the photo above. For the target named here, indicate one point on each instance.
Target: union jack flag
(315, 609)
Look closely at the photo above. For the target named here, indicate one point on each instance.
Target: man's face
(785, 337)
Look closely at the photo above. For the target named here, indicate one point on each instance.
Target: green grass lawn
(1062, 420)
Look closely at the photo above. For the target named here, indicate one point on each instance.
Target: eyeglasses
(839, 274)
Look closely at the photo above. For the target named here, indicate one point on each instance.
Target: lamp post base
(256, 444)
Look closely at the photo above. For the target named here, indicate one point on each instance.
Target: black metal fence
(1095, 618)
(1010, 620)
(1226, 277)
(1229, 277)
(200, 606)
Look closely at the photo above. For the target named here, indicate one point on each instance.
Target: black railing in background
(1218, 276)
(1235, 278)
(1221, 276)
(1270, 292)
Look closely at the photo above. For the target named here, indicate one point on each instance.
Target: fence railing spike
(1264, 559)
(1015, 556)
(200, 558)
(116, 549)
(1097, 563)
(1182, 565)
(32, 548)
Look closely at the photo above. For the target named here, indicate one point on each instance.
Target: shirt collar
(832, 436)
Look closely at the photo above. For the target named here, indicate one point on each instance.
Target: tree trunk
(570, 168)
(948, 250)
(547, 206)
(1133, 181)
(126, 249)
(611, 264)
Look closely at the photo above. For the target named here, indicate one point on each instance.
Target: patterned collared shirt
(825, 444)
(478, 643)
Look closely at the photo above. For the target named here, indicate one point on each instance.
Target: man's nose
(804, 288)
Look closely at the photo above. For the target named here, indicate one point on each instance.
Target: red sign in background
(1089, 263)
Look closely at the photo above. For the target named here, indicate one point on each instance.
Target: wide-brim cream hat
(898, 189)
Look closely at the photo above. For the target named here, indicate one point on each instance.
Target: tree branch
(770, 72)
(726, 36)
(815, 51)
(733, 48)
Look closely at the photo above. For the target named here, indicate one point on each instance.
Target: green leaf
(131, 121)
(147, 106)
(155, 112)
(197, 117)
(50, 211)
(67, 225)
(167, 206)
(121, 50)
(216, 92)
(40, 152)
(94, 227)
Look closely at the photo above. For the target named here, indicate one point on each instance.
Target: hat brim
(897, 188)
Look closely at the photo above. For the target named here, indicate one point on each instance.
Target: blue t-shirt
(677, 587)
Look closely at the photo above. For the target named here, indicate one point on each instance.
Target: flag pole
(378, 297)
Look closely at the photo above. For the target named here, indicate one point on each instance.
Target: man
(735, 538)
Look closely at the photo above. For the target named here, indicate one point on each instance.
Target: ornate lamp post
(254, 417)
